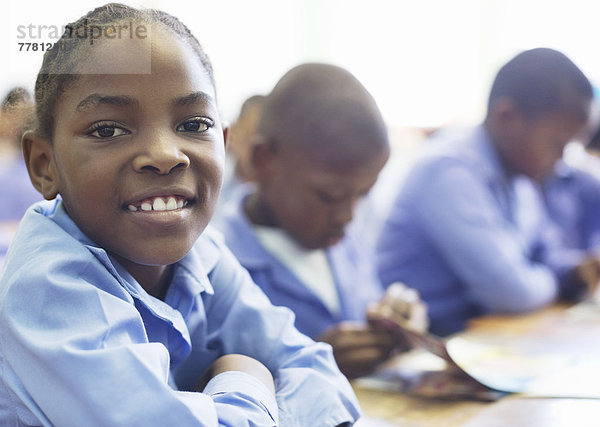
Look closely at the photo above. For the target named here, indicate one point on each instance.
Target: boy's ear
(38, 155)
(262, 154)
(507, 120)
(506, 112)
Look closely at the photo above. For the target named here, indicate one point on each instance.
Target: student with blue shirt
(468, 228)
(320, 145)
(117, 307)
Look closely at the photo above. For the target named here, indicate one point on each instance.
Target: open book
(553, 356)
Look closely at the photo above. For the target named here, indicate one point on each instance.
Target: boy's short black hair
(248, 103)
(317, 106)
(540, 81)
(56, 72)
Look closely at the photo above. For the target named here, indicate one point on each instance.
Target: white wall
(427, 62)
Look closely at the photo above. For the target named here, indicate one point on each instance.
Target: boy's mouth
(159, 204)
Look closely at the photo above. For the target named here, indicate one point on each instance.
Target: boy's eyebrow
(193, 98)
(97, 99)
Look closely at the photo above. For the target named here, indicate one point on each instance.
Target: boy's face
(539, 144)
(138, 159)
(311, 198)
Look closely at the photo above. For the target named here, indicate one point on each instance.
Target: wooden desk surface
(385, 408)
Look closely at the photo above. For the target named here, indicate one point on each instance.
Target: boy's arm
(310, 389)
(359, 347)
(69, 371)
(238, 363)
(462, 219)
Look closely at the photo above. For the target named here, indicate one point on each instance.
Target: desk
(384, 408)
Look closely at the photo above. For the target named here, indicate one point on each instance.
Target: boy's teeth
(159, 204)
(171, 204)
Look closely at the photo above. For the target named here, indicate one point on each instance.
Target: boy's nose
(160, 155)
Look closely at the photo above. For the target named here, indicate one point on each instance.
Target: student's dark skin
(532, 146)
(312, 198)
(122, 141)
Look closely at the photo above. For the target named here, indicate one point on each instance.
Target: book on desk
(555, 354)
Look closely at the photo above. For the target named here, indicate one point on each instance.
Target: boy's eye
(196, 125)
(107, 130)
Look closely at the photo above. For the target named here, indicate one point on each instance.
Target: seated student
(467, 229)
(114, 298)
(320, 147)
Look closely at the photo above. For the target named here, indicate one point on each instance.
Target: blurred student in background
(321, 145)
(468, 229)
(16, 191)
(238, 166)
(15, 187)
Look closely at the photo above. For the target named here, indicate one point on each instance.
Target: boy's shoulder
(47, 247)
(40, 235)
(466, 149)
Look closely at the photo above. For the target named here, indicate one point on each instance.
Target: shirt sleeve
(78, 355)
(310, 389)
(461, 217)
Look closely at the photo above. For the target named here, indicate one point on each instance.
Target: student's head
(539, 101)
(322, 144)
(129, 135)
(241, 135)
(15, 115)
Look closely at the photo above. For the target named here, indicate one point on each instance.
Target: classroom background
(428, 63)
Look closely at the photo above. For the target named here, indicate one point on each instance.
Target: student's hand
(587, 276)
(241, 363)
(359, 348)
(400, 308)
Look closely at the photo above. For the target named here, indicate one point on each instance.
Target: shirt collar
(246, 245)
(195, 266)
(492, 164)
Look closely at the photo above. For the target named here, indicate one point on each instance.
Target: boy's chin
(155, 258)
(322, 243)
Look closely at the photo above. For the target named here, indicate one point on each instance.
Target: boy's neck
(154, 279)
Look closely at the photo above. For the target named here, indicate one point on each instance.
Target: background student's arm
(359, 347)
(462, 219)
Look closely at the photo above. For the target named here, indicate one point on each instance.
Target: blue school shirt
(471, 239)
(572, 197)
(354, 276)
(82, 344)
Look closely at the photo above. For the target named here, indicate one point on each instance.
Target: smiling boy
(117, 307)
